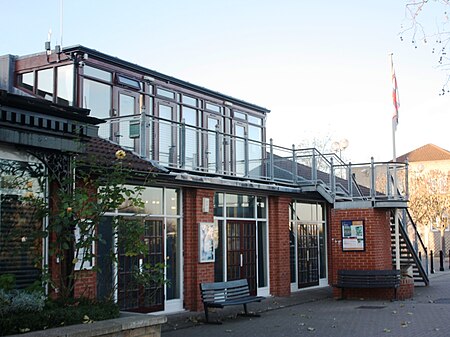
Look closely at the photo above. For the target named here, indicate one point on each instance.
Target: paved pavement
(315, 313)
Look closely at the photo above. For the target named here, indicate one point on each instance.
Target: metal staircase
(412, 250)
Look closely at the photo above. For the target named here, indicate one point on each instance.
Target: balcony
(194, 151)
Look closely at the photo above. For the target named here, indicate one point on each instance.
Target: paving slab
(315, 313)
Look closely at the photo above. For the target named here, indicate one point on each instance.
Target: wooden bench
(222, 294)
(368, 279)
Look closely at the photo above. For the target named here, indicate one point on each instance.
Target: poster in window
(207, 243)
(352, 235)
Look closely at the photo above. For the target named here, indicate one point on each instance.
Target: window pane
(129, 82)
(240, 206)
(65, 85)
(261, 207)
(262, 254)
(127, 105)
(153, 199)
(254, 120)
(189, 100)
(172, 259)
(240, 115)
(45, 84)
(26, 81)
(165, 93)
(190, 116)
(19, 244)
(218, 204)
(213, 107)
(97, 73)
(97, 98)
(172, 202)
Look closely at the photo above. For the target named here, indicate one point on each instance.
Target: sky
(322, 67)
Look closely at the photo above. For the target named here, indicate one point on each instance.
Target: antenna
(61, 20)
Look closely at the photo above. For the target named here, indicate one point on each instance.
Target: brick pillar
(377, 253)
(195, 272)
(280, 276)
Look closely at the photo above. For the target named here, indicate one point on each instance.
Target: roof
(104, 151)
(428, 152)
(46, 107)
(114, 60)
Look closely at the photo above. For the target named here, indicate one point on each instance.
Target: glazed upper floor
(183, 126)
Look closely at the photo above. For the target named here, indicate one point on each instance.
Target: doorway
(241, 252)
(133, 296)
(308, 255)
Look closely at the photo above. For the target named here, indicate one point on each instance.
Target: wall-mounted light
(227, 103)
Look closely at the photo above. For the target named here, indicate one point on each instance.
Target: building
(430, 165)
(225, 202)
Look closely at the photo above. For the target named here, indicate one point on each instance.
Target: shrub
(21, 301)
(55, 314)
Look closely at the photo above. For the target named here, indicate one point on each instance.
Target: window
(240, 115)
(45, 84)
(189, 100)
(213, 107)
(97, 73)
(97, 98)
(64, 89)
(26, 81)
(21, 181)
(84, 255)
(254, 120)
(128, 82)
(165, 93)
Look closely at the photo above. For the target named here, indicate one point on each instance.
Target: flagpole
(394, 160)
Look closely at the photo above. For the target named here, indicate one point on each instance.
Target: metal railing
(180, 146)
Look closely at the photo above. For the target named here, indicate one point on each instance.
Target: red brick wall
(377, 254)
(85, 284)
(195, 272)
(280, 276)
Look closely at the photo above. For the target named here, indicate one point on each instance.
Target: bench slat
(369, 279)
(221, 294)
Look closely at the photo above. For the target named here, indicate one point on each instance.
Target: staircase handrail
(423, 273)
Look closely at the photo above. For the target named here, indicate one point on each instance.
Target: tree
(430, 200)
(427, 22)
(76, 205)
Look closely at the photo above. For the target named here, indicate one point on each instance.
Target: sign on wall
(352, 235)
(207, 243)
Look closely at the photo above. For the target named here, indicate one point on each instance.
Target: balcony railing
(184, 147)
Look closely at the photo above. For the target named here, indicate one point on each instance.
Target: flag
(395, 97)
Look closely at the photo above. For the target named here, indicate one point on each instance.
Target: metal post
(246, 156)
(350, 179)
(449, 259)
(271, 168)
(388, 182)
(406, 180)
(183, 144)
(332, 179)
(314, 166)
(441, 260)
(372, 179)
(294, 165)
(431, 262)
(397, 240)
(217, 149)
(143, 135)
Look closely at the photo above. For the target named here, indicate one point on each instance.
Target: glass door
(308, 255)
(241, 252)
(126, 122)
(167, 133)
(240, 149)
(212, 144)
(132, 295)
